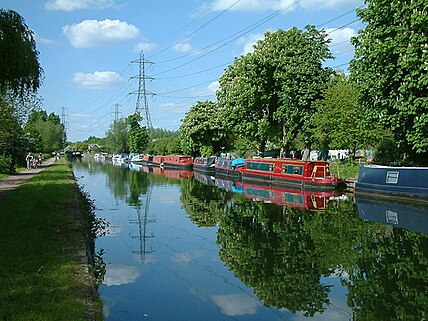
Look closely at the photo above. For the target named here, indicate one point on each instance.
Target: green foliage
(43, 233)
(117, 136)
(389, 67)
(268, 94)
(138, 137)
(339, 122)
(202, 129)
(19, 66)
(13, 142)
(47, 132)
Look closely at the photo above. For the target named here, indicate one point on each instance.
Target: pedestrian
(306, 153)
(29, 160)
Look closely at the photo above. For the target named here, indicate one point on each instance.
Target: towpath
(13, 181)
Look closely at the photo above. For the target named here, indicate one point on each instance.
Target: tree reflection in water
(284, 253)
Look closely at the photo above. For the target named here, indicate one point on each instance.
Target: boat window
(292, 169)
(266, 167)
(392, 177)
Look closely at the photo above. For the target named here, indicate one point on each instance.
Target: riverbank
(45, 234)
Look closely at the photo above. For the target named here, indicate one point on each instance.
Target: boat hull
(394, 182)
(178, 162)
(283, 172)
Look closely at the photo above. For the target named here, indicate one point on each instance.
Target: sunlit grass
(41, 242)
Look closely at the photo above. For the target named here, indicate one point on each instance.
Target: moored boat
(119, 158)
(137, 159)
(393, 182)
(230, 168)
(158, 160)
(290, 172)
(178, 161)
(204, 164)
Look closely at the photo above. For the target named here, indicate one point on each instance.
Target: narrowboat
(228, 167)
(178, 161)
(289, 196)
(137, 159)
(120, 158)
(147, 159)
(204, 164)
(393, 182)
(291, 172)
(158, 160)
(404, 215)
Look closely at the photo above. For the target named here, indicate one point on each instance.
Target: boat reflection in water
(177, 174)
(283, 196)
(289, 196)
(404, 215)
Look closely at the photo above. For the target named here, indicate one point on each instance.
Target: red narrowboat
(178, 162)
(158, 160)
(290, 172)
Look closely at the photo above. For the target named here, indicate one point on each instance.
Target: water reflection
(236, 253)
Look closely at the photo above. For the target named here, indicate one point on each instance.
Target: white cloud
(94, 33)
(121, 274)
(236, 304)
(44, 41)
(71, 5)
(213, 87)
(286, 5)
(249, 42)
(145, 46)
(96, 80)
(182, 47)
(340, 39)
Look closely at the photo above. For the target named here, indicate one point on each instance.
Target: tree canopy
(20, 70)
(390, 67)
(202, 131)
(268, 94)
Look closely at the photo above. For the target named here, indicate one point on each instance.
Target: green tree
(20, 70)
(390, 66)
(46, 131)
(269, 94)
(338, 122)
(138, 137)
(202, 130)
(117, 136)
(12, 139)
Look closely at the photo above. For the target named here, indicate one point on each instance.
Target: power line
(198, 29)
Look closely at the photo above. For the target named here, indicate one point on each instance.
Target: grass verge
(45, 230)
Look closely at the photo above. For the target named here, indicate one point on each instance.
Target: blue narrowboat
(393, 182)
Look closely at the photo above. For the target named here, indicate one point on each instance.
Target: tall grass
(42, 248)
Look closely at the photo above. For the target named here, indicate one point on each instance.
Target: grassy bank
(44, 232)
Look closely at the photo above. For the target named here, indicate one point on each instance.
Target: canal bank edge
(78, 214)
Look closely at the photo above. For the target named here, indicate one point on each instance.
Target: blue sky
(89, 50)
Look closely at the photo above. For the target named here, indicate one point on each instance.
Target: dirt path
(13, 181)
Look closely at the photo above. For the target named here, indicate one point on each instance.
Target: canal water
(181, 246)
